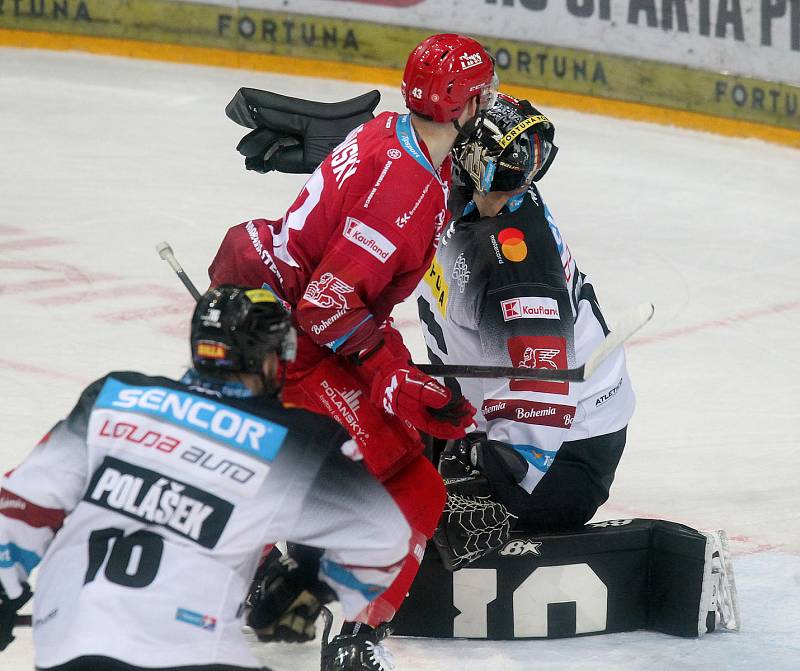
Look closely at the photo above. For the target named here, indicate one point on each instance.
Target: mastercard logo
(512, 244)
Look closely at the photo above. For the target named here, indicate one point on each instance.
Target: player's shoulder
(98, 392)
(390, 143)
(301, 426)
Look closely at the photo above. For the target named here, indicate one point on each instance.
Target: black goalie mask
(513, 146)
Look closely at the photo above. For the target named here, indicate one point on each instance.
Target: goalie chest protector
(612, 576)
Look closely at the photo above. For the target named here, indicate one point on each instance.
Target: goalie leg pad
(719, 599)
(613, 576)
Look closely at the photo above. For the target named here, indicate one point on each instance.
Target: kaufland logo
(470, 61)
(368, 239)
(530, 307)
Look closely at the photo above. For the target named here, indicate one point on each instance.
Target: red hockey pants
(324, 383)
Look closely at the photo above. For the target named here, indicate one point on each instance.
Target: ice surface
(102, 158)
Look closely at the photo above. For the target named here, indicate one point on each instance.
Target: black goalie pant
(574, 487)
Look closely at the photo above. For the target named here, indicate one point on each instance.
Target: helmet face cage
(512, 147)
(234, 329)
(488, 95)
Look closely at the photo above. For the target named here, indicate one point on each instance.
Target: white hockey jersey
(506, 291)
(167, 494)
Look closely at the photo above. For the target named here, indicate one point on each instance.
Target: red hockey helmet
(443, 73)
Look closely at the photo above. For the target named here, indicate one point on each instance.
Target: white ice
(102, 158)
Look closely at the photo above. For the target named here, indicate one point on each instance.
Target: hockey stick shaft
(23, 620)
(629, 324)
(165, 252)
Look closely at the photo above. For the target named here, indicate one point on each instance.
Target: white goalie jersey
(147, 509)
(506, 291)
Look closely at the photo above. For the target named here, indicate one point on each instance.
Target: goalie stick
(629, 324)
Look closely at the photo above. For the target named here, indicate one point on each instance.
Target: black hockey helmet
(235, 328)
(513, 145)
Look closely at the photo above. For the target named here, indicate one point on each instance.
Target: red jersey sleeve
(376, 260)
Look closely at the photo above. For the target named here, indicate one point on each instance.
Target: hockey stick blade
(165, 252)
(629, 324)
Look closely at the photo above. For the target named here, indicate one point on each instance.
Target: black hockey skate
(357, 648)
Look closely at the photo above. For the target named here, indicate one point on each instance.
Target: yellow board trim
(388, 76)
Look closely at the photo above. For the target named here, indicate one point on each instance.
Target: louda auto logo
(523, 546)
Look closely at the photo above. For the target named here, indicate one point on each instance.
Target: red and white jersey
(355, 242)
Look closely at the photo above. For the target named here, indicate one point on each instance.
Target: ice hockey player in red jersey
(354, 244)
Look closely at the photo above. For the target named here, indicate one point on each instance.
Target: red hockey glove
(403, 390)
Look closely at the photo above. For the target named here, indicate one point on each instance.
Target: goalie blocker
(613, 576)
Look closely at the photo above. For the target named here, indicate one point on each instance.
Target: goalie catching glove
(472, 524)
(291, 134)
(403, 390)
(286, 597)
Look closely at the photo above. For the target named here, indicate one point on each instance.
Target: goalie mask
(513, 146)
(235, 328)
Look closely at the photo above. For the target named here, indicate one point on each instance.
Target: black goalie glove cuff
(291, 134)
(475, 454)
